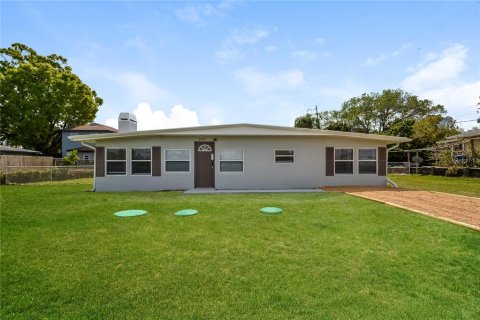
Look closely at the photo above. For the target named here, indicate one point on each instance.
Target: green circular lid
(130, 213)
(271, 210)
(186, 212)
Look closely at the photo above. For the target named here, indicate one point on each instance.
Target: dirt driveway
(458, 209)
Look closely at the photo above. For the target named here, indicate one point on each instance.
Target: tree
(429, 130)
(306, 121)
(378, 112)
(39, 97)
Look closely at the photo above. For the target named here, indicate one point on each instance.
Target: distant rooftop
(93, 127)
(7, 150)
(475, 133)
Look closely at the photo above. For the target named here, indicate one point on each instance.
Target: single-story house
(238, 157)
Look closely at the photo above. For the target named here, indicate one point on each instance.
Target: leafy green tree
(306, 121)
(429, 130)
(378, 112)
(39, 97)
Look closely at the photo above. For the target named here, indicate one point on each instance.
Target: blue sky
(199, 63)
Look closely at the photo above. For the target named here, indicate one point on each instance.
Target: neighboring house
(464, 144)
(13, 151)
(237, 156)
(84, 153)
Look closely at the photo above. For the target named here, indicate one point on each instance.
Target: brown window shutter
(100, 161)
(330, 161)
(382, 161)
(156, 161)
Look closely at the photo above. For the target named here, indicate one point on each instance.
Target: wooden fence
(23, 161)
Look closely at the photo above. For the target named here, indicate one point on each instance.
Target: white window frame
(85, 156)
(376, 161)
(230, 172)
(335, 161)
(165, 160)
(283, 149)
(132, 161)
(106, 161)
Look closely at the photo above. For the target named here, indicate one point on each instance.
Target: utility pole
(478, 110)
(317, 117)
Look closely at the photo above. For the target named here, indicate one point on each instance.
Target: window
(231, 160)
(367, 161)
(205, 148)
(86, 157)
(284, 156)
(177, 160)
(343, 161)
(116, 161)
(141, 161)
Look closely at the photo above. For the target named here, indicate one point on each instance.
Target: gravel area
(458, 209)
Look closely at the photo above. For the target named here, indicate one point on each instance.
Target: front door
(204, 164)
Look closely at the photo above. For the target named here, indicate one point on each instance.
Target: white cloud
(439, 79)
(248, 36)
(212, 114)
(376, 60)
(229, 54)
(319, 41)
(256, 82)
(304, 54)
(371, 61)
(136, 43)
(239, 38)
(200, 13)
(139, 88)
(270, 48)
(445, 68)
(148, 119)
(458, 97)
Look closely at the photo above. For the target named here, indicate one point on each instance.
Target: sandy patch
(458, 209)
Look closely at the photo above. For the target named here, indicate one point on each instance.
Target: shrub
(453, 171)
(71, 158)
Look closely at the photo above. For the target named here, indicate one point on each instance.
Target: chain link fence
(399, 167)
(30, 174)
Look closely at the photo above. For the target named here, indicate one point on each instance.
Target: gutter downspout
(388, 180)
(94, 162)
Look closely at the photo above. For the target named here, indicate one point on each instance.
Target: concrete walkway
(215, 191)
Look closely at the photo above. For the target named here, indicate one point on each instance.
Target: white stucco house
(237, 157)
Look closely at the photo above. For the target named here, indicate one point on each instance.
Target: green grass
(328, 256)
(457, 185)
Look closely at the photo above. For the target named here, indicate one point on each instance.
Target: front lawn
(457, 185)
(329, 255)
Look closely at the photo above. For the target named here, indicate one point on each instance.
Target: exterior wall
(167, 180)
(260, 170)
(307, 171)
